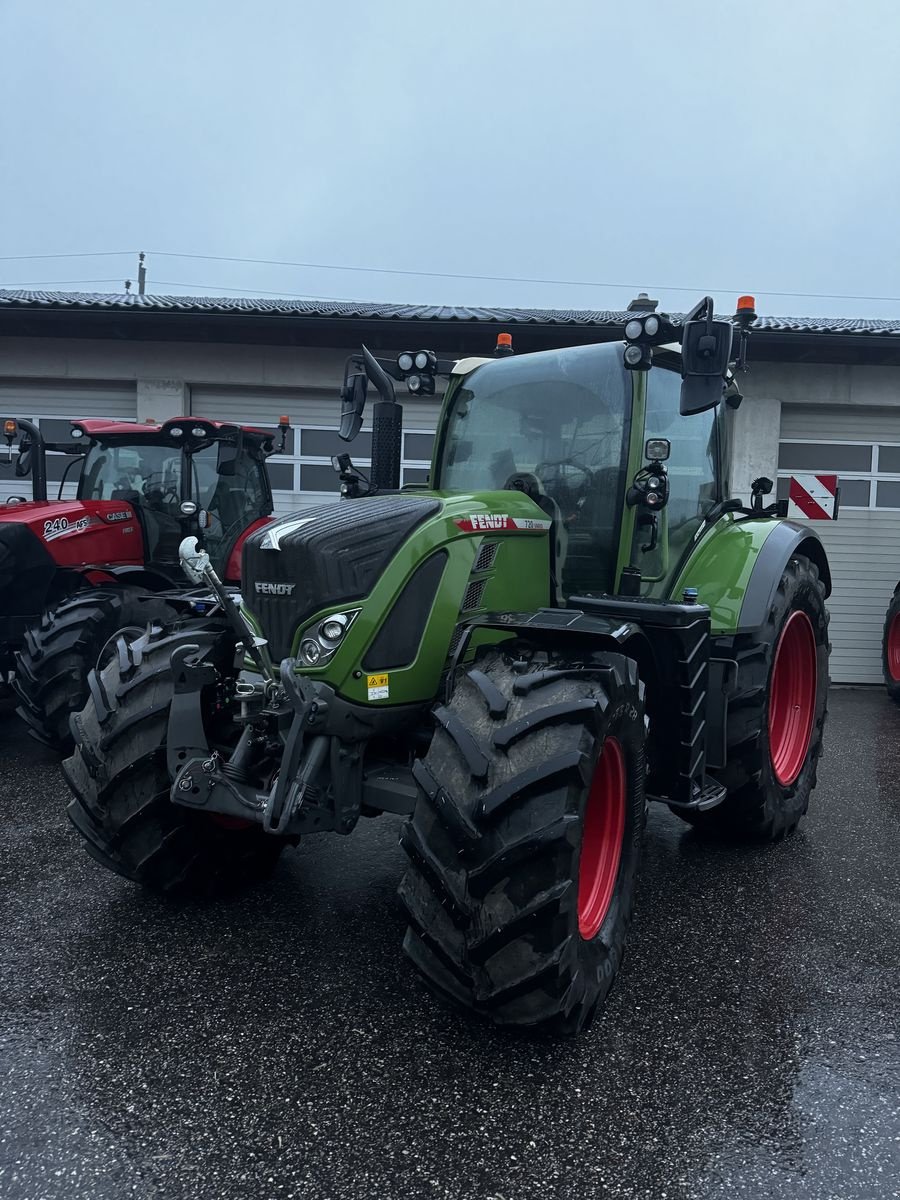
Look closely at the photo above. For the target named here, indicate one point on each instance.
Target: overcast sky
(651, 144)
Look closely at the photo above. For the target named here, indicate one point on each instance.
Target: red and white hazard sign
(813, 497)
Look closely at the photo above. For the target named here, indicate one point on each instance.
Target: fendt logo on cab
(275, 589)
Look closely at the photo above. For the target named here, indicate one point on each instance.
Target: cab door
(694, 481)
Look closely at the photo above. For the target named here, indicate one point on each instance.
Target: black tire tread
(490, 896)
(120, 783)
(757, 808)
(58, 654)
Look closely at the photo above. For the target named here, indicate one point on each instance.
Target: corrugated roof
(366, 311)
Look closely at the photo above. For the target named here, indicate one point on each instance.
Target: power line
(656, 287)
(80, 254)
(209, 287)
(253, 291)
(54, 283)
(313, 266)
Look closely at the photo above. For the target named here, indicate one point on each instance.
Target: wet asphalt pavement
(279, 1046)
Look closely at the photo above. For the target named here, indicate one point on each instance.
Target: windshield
(137, 473)
(562, 417)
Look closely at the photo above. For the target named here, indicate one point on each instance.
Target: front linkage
(294, 729)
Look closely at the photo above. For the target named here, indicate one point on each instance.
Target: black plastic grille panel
(327, 555)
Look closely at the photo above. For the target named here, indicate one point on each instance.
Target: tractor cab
(187, 475)
(604, 451)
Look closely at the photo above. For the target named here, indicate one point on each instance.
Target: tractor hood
(326, 555)
(404, 569)
(26, 567)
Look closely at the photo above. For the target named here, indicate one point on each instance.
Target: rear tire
(525, 843)
(121, 784)
(777, 717)
(51, 678)
(890, 649)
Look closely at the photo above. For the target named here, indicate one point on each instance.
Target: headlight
(310, 652)
(320, 642)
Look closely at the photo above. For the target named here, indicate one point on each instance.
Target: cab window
(691, 467)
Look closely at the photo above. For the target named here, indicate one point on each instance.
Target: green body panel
(519, 578)
(635, 462)
(720, 565)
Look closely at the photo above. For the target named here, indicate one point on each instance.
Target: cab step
(705, 794)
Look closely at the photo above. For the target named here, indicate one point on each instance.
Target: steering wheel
(568, 482)
(158, 493)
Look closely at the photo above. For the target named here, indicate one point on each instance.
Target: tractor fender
(153, 581)
(551, 624)
(786, 540)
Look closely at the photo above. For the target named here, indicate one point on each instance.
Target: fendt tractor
(572, 619)
(73, 573)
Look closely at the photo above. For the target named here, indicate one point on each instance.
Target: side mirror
(23, 462)
(353, 402)
(706, 346)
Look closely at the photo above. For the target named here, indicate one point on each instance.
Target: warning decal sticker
(378, 686)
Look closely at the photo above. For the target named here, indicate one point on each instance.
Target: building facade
(821, 396)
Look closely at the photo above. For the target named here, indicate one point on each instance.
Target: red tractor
(74, 573)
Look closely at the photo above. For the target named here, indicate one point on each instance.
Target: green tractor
(572, 620)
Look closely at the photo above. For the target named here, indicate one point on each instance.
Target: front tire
(890, 649)
(776, 720)
(121, 784)
(525, 843)
(52, 668)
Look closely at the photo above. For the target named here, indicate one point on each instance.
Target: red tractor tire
(52, 668)
(890, 649)
(777, 717)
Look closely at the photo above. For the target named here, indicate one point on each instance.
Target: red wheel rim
(601, 841)
(893, 648)
(792, 698)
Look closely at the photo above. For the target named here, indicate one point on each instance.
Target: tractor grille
(323, 556)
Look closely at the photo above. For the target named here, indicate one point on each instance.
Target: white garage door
(51, 405)
(863, 447)
(304, 476)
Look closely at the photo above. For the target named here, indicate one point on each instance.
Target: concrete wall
(165, 371)
(767, 386)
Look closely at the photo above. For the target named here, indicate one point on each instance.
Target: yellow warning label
(378, 687)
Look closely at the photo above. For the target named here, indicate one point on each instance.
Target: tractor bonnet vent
(474, 592)
(486, 556)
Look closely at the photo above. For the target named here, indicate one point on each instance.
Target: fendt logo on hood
(485, 522)
(274, 589)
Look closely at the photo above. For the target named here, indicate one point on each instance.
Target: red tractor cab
(74, 572)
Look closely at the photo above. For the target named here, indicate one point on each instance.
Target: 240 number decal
(60, 525)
